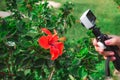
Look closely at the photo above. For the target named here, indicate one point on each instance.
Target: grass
(106, 11)
(2, 5)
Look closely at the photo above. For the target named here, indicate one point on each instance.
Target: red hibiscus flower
(50, 41)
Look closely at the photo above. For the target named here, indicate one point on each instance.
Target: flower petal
(43, 42)
(45, 30)
(60, 47)
(53, 38)
(54, 53)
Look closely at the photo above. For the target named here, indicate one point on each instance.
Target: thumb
(113, 41)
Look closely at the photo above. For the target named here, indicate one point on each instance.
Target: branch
(51, 74)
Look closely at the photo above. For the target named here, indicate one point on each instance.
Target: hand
(115, 40)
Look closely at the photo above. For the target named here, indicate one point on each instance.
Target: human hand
(115, 40)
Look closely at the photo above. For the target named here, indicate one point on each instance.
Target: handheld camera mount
(88, 20)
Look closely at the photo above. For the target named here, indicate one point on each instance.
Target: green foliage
(117, 1)
(89, 58)
(21, 58)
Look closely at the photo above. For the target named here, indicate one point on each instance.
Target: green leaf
(82, 72)
(83, 53)
(20, 26)
(76, 61)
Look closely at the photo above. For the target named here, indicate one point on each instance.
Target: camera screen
(91, 17)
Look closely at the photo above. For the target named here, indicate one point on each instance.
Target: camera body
(88, 19)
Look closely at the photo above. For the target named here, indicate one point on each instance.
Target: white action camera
(88, 19)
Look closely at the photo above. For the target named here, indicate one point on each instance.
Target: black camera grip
(115, 49)
(117, 61)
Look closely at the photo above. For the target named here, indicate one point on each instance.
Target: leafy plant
(21, 57)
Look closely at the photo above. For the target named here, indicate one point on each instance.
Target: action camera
(88, 19)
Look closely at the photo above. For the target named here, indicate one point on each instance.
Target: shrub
(21, 57)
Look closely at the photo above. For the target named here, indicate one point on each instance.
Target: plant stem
(51, 74)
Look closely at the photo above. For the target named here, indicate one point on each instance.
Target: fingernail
(107, 42)
(112, 53)
(113, 58)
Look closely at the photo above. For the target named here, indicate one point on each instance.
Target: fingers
(111, 41)
(107, 53)
(97, 48)
(95, 42)
(112, 58)
(115, 40)
(102, 52)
